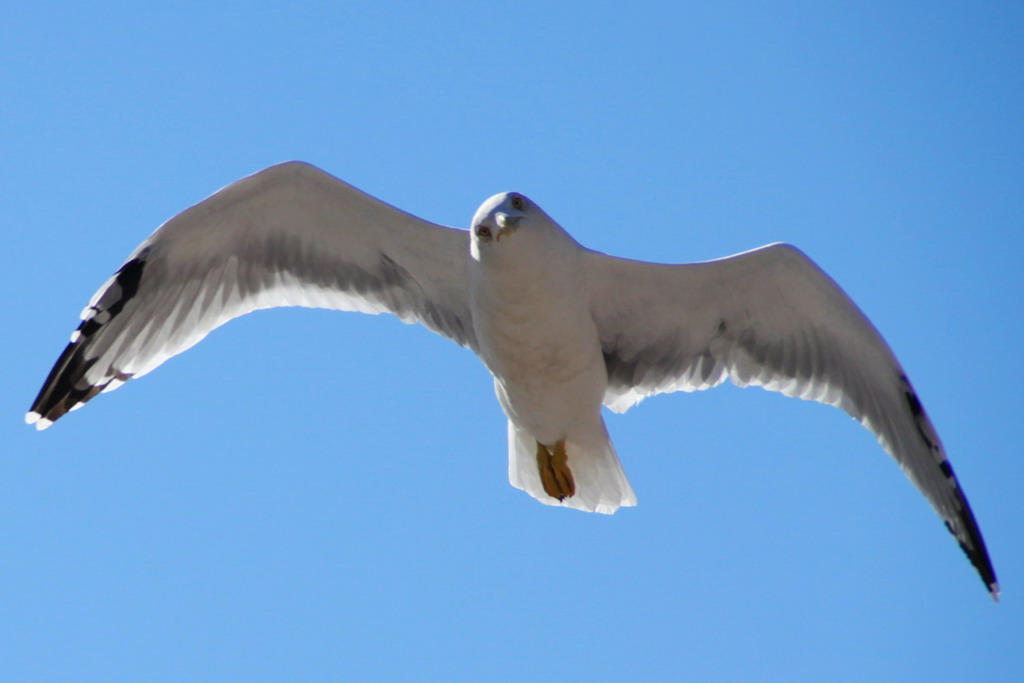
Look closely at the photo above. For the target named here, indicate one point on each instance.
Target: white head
(510, 218)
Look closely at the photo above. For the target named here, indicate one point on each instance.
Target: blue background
(315, 495)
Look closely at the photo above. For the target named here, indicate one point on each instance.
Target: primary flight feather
(562, 329)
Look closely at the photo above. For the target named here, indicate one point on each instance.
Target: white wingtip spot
(38, 420)
(111, 385)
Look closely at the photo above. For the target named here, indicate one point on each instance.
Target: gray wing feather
(290, 235)
(770, 318)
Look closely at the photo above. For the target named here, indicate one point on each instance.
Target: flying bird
(562, 329)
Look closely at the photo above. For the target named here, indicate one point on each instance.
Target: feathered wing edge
(290, 235)
(771, 318)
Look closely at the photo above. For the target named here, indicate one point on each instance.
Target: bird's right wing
(770, 318)
(290, 235)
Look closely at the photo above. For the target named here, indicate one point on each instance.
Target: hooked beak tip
(506, 224)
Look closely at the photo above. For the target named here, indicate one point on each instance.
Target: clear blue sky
(316, 495)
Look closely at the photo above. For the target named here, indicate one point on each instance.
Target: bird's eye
(518, 203)
(483, 232)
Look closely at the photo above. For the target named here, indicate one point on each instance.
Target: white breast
(539, 340)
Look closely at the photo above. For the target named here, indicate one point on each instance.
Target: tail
(601, 485)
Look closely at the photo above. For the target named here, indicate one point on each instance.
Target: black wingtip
(963, 525)
(973, 545)
(66, 387)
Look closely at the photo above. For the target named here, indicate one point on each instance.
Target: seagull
(562, 329)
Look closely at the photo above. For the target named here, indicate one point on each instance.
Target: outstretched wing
(770, 318)
(290, 235)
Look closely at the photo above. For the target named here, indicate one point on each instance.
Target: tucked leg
(554, 470)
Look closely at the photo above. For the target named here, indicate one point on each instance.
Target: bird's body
(544, 352)
(562, 329)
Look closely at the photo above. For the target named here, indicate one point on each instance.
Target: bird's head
(509, 219)
(498, 218)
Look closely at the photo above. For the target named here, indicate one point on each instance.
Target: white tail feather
(601, 485)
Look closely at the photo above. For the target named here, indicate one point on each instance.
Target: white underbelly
(548, 368)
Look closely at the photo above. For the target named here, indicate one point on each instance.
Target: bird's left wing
(771, 318)
(290, 235)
